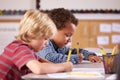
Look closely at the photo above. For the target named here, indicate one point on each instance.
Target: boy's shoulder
(15, 44)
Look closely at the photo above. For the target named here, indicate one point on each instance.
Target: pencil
(102, 51)
(69, 54)
(77, 47)
(114, 51)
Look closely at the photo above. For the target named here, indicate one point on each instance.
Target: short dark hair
(61, 16)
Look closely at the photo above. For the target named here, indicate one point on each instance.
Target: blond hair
(35, 24)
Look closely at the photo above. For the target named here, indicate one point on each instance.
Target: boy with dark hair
(56, 50)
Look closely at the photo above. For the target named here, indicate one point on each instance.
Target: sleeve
(52, 55)
(22, 55)
(86, 53)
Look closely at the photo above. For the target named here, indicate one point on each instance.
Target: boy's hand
(94, 58)
(68, 66)
(81, 57)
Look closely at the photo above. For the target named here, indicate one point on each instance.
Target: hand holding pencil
(80, 57)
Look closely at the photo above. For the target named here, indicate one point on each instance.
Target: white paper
(8, 31)
(81, 73)
(58, 75)
(100, 70)
(115, 39)
(102, 40)
(116, 27)
(111, 77)
(105, 28)
(77, 74)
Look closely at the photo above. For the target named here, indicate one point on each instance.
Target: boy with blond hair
(18, 57)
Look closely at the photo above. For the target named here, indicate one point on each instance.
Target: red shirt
(13, 60)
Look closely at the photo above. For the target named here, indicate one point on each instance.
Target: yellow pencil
(103, 51)
(114, 51)
(77, 47)
(69, 54)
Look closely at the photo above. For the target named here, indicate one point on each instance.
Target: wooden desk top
(84, 64)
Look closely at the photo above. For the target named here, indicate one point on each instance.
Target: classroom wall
(80, 4)
(96, 33)
(69, 4)
(8, 31)
(86, 21)
(17, 4)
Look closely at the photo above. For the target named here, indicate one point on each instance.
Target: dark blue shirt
(57, 55)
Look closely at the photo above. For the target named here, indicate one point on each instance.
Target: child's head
(61, 16)
(66, 24)
(35, 29)
(35, 25)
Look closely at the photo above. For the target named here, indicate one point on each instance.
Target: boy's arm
(86, 53)
(91, 56)
(52, 55)
(42, 68)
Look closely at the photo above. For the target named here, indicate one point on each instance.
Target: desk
(84, 64)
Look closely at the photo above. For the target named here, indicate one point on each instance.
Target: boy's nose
(70, 39)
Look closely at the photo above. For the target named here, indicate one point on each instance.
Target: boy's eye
(68, 35)
(46, 38)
